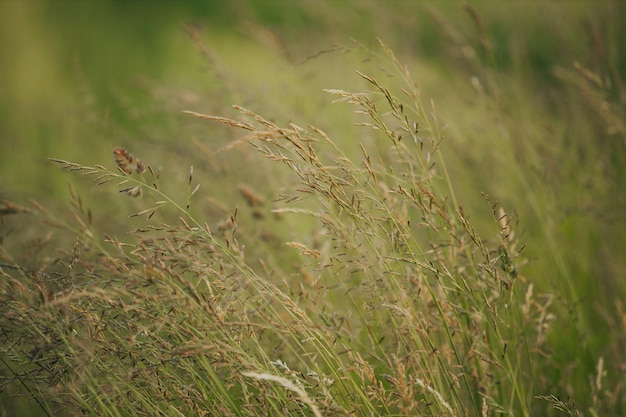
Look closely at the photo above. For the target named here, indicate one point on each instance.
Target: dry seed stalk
(6, 207)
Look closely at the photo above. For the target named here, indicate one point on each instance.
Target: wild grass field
(312, 208)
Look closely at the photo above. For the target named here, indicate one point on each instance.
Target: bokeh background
(531, 94)
(79, 78)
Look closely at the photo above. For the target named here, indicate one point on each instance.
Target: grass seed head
(127, 162)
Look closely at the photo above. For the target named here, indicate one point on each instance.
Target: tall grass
(395, 305)
(358, 285)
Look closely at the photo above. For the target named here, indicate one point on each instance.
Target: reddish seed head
(127, 162)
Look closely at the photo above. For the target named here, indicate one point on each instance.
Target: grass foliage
(350, 278)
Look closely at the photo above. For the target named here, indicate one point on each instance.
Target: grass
(396, 255)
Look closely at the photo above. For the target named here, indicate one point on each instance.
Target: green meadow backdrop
(340, 208)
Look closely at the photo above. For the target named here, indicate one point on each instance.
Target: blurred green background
(81, 77)
(78, 78)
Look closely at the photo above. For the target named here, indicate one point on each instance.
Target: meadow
(312, 208)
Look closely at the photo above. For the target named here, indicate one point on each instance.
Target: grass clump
(376, 295)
